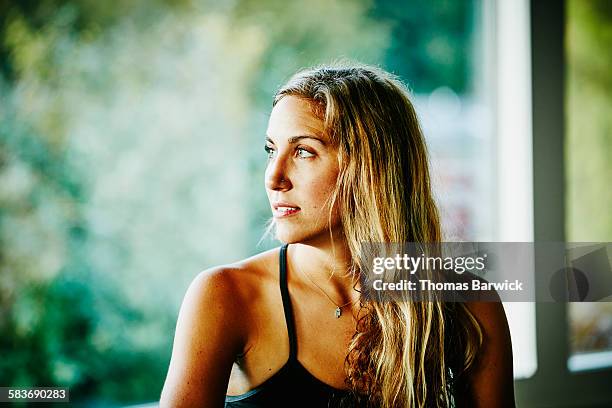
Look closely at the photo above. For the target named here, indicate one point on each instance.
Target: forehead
(293, 116)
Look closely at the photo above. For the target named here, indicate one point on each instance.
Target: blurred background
(131, 158)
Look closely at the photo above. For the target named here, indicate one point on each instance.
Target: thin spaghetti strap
(287, 303)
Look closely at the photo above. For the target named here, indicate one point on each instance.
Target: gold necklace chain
(338, 310)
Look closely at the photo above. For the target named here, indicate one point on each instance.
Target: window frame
(553, 384)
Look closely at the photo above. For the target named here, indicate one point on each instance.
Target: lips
(284, 209)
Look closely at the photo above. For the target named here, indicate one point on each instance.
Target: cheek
(321, 191)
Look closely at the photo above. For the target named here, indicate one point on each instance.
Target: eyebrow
(295, 139)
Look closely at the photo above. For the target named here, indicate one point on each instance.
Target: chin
(293, 235)
(290, 235)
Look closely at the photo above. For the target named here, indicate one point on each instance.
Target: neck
(326, 264)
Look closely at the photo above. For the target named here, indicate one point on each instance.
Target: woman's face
(301, 173)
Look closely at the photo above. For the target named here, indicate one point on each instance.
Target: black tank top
(292, 385)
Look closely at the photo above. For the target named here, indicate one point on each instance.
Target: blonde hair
(403, 353)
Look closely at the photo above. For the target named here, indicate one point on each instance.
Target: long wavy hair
(403, 353)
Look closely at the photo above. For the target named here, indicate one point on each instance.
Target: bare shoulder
(225, 294)
(220, 285)
(233, 286)
(491, 377)
(212, 329)
(490, 314)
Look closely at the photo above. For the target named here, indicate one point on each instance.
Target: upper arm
(209, 334)
(490, 380)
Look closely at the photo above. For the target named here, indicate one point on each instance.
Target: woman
(347, 164)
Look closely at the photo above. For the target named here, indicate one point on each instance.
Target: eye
(270, 151)
(303, 153)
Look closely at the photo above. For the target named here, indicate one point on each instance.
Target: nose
(277, 178)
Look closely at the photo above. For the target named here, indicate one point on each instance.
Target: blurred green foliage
(131, 157)
(428, 34)
(589, 120)
(588, 152)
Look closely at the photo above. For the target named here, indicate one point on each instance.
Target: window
(588, 170)
(553, 384)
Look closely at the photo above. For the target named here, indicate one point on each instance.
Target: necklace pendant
(338, 312)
